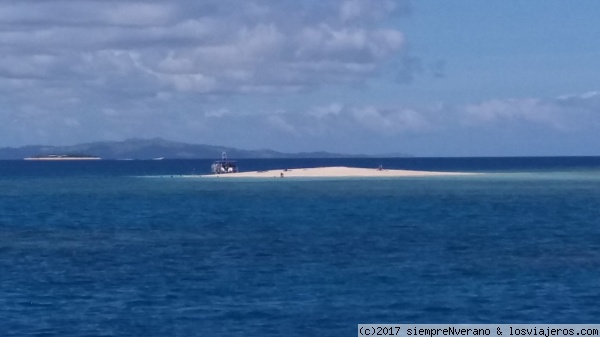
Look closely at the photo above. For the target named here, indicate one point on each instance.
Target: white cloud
(367, 9)
(236, 46)
(277, 122)
(572, 114)
(344, 121)
(390, 121)
(356, 45)
(218, 113)
(511, 109)
(87, 13)
(191, 82)
(136, 58)
(256, 69)
(565, 113)
(332, 109)
(138, 14)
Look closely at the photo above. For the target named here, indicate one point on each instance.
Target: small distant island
(63, 157)
(155, 148)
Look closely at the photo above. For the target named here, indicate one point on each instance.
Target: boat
(224, 165)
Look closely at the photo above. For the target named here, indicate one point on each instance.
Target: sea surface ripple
(109, 251)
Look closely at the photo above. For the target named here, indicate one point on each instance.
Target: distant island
(62, 157)
(147, 149)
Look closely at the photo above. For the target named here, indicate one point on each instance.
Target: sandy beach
(333, 172)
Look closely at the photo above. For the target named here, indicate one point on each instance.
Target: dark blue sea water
(139, 248)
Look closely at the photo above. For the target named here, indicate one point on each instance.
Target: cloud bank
(512, 126)
(204, 46)
(71, 65)
(251, 74)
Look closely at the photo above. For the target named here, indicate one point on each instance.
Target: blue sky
(429, 78)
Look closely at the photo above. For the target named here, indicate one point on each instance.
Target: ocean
(140, 248)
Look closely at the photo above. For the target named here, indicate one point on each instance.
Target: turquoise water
(139, 249)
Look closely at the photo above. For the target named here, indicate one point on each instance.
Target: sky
(421, 77)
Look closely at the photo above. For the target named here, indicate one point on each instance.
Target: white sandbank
(333, 172)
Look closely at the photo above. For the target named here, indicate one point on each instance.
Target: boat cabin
(224, 165)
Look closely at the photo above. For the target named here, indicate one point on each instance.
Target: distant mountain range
(158, 148)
